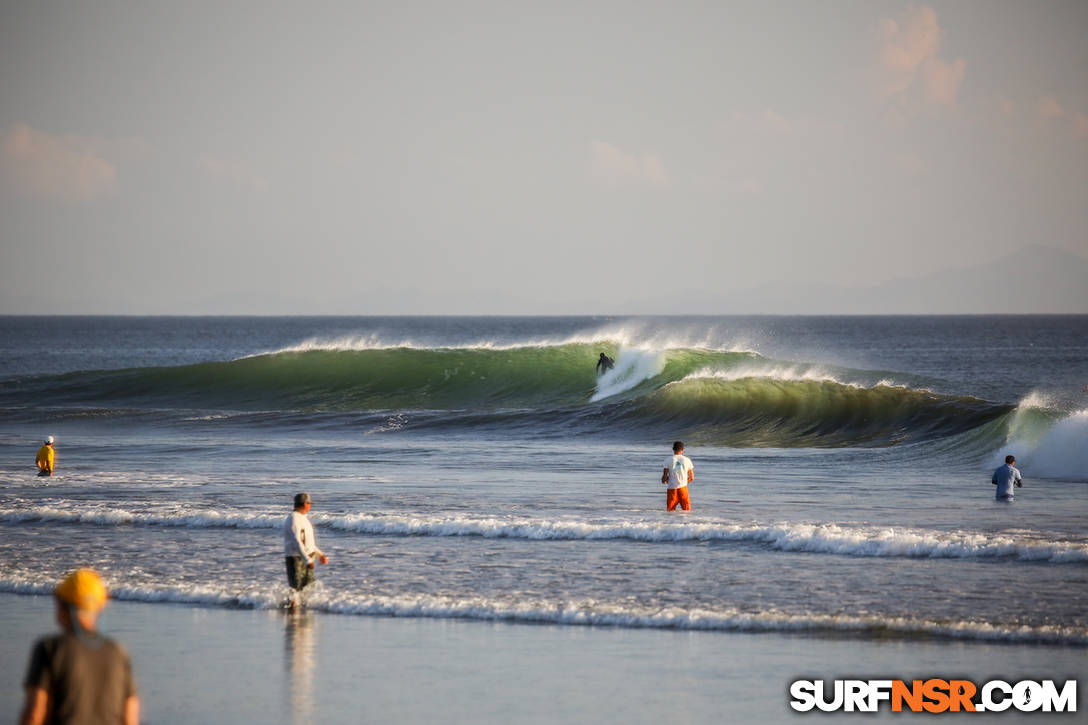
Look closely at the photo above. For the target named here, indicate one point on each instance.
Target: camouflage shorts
(299, 574)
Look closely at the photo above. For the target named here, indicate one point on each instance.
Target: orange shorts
(678, 496)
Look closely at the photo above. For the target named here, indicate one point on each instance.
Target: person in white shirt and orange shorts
(678, 473)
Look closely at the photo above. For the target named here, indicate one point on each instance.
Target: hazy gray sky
(511, 157)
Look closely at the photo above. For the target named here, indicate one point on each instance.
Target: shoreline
(215, 664)
(841, 627)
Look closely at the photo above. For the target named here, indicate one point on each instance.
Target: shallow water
(461, 468)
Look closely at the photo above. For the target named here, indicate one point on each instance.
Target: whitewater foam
(1059, 450)
(784, 373)
(632, 367)
(584, 612)
(826, 538)
(112, 516)
(1037, 400)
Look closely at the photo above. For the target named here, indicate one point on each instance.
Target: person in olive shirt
(46, 456)
(79, 676)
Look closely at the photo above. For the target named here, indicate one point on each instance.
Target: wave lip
(588, 612)
(626, 335)
(817, 538)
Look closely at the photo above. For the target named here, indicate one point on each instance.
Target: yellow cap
(84, 589)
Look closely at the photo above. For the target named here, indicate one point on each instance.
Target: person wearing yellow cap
(79, 676)
(45, 458)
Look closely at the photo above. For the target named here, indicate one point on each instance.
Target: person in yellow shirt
(46, 456)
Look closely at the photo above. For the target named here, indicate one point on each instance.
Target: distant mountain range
(1034, 280)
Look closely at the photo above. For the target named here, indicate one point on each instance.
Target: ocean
(478, 470)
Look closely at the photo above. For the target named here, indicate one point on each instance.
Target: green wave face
(709, 397)
(757, 411)
(401, 378)
(549, 377)
(431, 379)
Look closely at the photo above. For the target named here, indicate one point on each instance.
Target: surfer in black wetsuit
(604, 364)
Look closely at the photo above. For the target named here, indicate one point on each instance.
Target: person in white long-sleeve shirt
(300, 545)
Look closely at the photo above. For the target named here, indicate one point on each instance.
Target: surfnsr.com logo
(933, 696)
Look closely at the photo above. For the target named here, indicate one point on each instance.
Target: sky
(527, 157)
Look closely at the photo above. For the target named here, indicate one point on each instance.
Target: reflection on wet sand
(299, 661)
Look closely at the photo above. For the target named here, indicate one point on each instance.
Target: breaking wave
(1046, 443)
(827, 538)
(713, 397)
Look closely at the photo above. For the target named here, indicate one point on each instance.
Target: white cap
(49, 440)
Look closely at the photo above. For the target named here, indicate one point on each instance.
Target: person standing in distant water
(1004, 478)
(46, 457)
(300, 546)
(604, 364)
(79, 676)
(678, 473)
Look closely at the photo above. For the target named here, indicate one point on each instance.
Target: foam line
(587, 612)
(816, 538)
